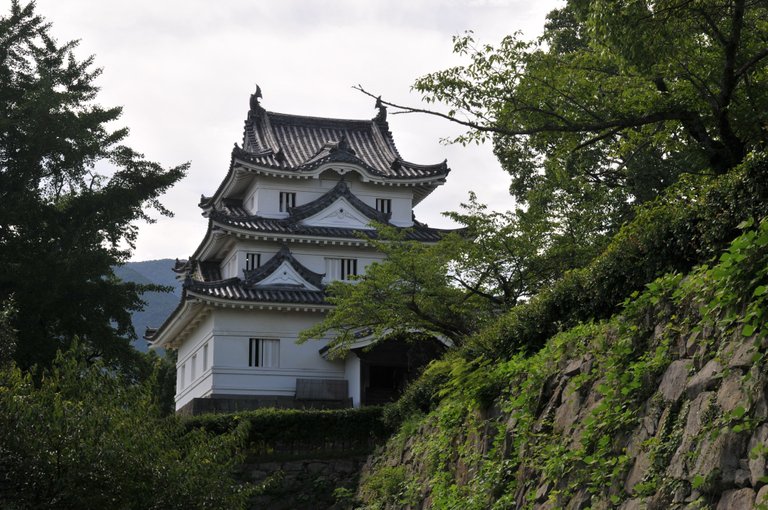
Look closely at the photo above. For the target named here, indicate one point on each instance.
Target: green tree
(72, 193)
(448, 289)
(7, 335)
(409, 291)
(506, 257)
(613, 102)
(81, 437)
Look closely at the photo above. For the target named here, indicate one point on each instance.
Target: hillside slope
(663, 405)
(638, 381)
(159, 304)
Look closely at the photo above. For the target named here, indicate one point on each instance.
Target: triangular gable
(337, 208)
(285, 275)
(283, 270)
(341, 214)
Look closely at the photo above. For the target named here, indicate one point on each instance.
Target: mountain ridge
(158, 304)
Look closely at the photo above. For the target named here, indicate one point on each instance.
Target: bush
(689, 224)
(421, 395)
(298, 430)
(82, 438)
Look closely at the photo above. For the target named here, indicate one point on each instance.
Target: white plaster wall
(202, 384)
(263, 196)
(233, 264)
(352, 375)
(232, 331)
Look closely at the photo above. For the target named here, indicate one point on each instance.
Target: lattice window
(287, 200)
(340, 269)
(384, 205)
(263, 352)
(252, 260)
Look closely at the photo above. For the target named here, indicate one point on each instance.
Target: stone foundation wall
(238, 404)
(304, 484)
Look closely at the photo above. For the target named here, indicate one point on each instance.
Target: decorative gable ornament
(285, 275)
(283, 270)
(341, 214)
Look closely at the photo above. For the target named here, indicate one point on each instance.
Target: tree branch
(651, 118)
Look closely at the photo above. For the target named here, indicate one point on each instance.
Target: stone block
(757, 466)
(344, 466)
(542, 492)
(568, 411)
(633, 504)
(579, 501)
(741, 499)
(693, 425)
(639, 469)
(762, 496)
(731, 393)
(673, 381)
(293, 466)
(317, 467)
(705, 379)
(722, 456)
(742, 355)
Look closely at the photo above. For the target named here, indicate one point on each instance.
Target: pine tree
(71, 194)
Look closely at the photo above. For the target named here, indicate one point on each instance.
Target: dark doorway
(388, 366)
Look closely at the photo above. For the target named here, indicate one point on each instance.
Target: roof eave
(298, 238)
(172, 332)
(259, 305)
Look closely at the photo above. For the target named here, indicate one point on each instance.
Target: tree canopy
(80, 437)
(607, 109)
(614, 101)
(448, 289)
(72, 192)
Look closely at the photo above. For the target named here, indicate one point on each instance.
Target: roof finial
(343, 145)
(255, 98)
(382, 115)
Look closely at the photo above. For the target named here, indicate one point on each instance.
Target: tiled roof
(235, 289)
(257, 224)
(300, 143)
(233, 214)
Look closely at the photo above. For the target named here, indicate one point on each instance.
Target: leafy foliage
(71, 194)
(84, 438)
(689, 224)
(519, 455)
(613, 103)
(305, 429)
(7, 335)
(409, 292)
(449, 289)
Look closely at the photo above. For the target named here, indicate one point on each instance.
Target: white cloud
(184, 70)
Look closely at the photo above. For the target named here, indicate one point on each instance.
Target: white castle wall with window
(290, 216)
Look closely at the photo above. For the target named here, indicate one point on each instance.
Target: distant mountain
(159, 304)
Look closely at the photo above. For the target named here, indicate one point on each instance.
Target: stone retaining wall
(304, 484)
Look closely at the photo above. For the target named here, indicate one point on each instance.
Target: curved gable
(283, 270)
(337, 208)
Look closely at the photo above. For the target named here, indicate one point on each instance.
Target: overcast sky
(184, 70)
